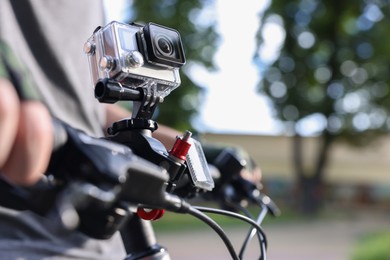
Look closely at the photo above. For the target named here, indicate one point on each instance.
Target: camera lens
(164, 45)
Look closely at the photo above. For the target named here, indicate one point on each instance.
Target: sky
(231, 103)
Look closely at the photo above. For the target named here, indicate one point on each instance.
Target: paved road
(304, 240)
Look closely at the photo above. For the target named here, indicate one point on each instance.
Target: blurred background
(303, 86)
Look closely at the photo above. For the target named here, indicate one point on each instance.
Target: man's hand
(26, 137)
(252, 174)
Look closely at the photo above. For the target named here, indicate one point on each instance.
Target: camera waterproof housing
(136, 55)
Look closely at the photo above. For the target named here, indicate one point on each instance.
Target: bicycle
(122, 182)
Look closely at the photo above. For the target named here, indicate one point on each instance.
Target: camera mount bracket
(136, 132)
(132, 124)
(145, 97)
(150, 99)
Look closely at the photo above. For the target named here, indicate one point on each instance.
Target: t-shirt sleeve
(14, 71)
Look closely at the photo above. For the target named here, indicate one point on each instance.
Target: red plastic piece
(181, 147)
(150, 214)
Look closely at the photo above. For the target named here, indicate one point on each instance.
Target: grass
(178, 222)
(374, 246)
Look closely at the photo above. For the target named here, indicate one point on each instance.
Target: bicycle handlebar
(97, 178)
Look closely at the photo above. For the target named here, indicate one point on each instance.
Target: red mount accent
(150, 214)
(180, 148)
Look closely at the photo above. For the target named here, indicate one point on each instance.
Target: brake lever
(247, 190)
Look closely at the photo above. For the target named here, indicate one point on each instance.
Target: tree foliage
(199, 40)
(331, 66)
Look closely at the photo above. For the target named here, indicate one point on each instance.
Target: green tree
(199, 39)
(332, 66)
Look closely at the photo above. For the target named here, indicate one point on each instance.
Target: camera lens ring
(164, 45)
